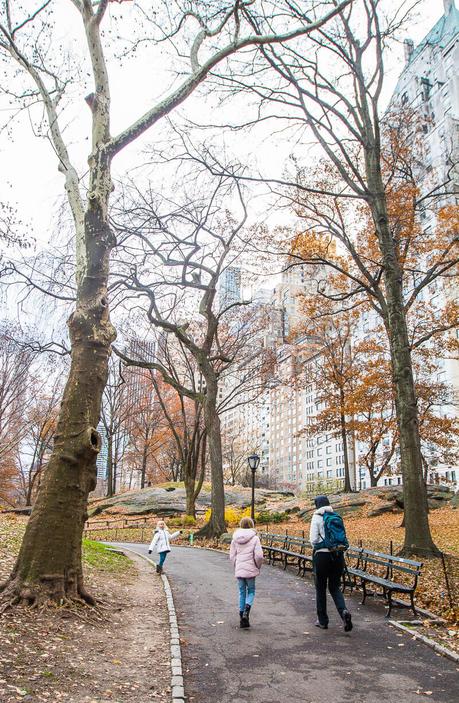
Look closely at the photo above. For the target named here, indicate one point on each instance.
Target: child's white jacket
(161, 540)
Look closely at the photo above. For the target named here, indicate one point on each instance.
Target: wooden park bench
(287, 549)
(391, 573)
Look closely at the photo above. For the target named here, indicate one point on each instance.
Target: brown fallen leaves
(120, 654)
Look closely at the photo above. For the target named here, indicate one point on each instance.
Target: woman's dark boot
(246, 614)
(243, 620)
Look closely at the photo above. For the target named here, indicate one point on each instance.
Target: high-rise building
(429, 86)
(229, 287)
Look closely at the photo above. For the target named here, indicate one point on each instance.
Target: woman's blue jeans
(162, 557)
(246, 592)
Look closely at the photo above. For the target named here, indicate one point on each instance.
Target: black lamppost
(253, 460)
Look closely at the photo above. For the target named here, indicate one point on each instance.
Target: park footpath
(283, 657)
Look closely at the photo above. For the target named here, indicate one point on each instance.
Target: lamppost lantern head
(253, 460)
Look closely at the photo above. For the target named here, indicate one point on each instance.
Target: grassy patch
(11, 533)
(99, 556)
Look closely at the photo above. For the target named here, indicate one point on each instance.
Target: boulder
(440, 495)
(435, 488)
(225, 538)
(349, 507)
(18, 511)
(435, 504)
(387, 507)
(167, 500)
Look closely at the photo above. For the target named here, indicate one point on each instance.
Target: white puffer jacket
(161, 540)
(317, 530)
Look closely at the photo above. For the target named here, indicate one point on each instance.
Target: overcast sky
(29, 170)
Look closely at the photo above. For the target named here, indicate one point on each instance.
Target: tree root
(209, 531)
(48, 593)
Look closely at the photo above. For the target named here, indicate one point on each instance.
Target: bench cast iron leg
(389, 597)
(364, 587)
(412, 602)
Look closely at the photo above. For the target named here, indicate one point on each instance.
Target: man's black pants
(328, 569)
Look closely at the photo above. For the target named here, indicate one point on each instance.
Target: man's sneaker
(347, 620)
(322, 627)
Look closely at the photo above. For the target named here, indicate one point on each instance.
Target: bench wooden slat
(282, 547)
(379, 580)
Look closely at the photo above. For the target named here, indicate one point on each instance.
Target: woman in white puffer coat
(161, 542)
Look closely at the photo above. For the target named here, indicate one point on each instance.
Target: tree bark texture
(49, 563)
(216, 525)
(347, 478)
(418, 538)
(143, 469)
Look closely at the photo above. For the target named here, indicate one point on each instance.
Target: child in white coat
(161, 541)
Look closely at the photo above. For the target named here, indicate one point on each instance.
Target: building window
(426, 87)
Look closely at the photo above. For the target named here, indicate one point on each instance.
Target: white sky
(29, 171)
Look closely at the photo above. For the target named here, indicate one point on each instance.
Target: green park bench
(391, 573)
(288, 549)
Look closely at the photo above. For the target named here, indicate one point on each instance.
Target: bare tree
(35, 450)
(186, 423)
(329, 88)
(115, 412)
(49, 562)
(15, 402)
(195, 240)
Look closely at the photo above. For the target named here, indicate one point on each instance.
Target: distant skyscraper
(229, 287)
(102, 457)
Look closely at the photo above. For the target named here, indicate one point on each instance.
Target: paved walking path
(283, 657)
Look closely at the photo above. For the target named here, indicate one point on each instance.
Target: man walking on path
(328, 565)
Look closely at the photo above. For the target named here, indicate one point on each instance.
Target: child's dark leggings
(162, 557)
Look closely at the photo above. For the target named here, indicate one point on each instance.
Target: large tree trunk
(216, 525)
(418, 539)
(189, 492)
(196, 456)
(143, 469)
(347, 476)
(49, 563)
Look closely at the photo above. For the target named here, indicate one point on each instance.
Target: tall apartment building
(229, 287)
(287, 301)
(429, 85)
(299, 459)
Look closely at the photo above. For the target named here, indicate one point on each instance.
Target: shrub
(188, 521)
(265, 517)
(232, 515)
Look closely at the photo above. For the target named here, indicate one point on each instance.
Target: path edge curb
(177, 682)
(426, 640)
